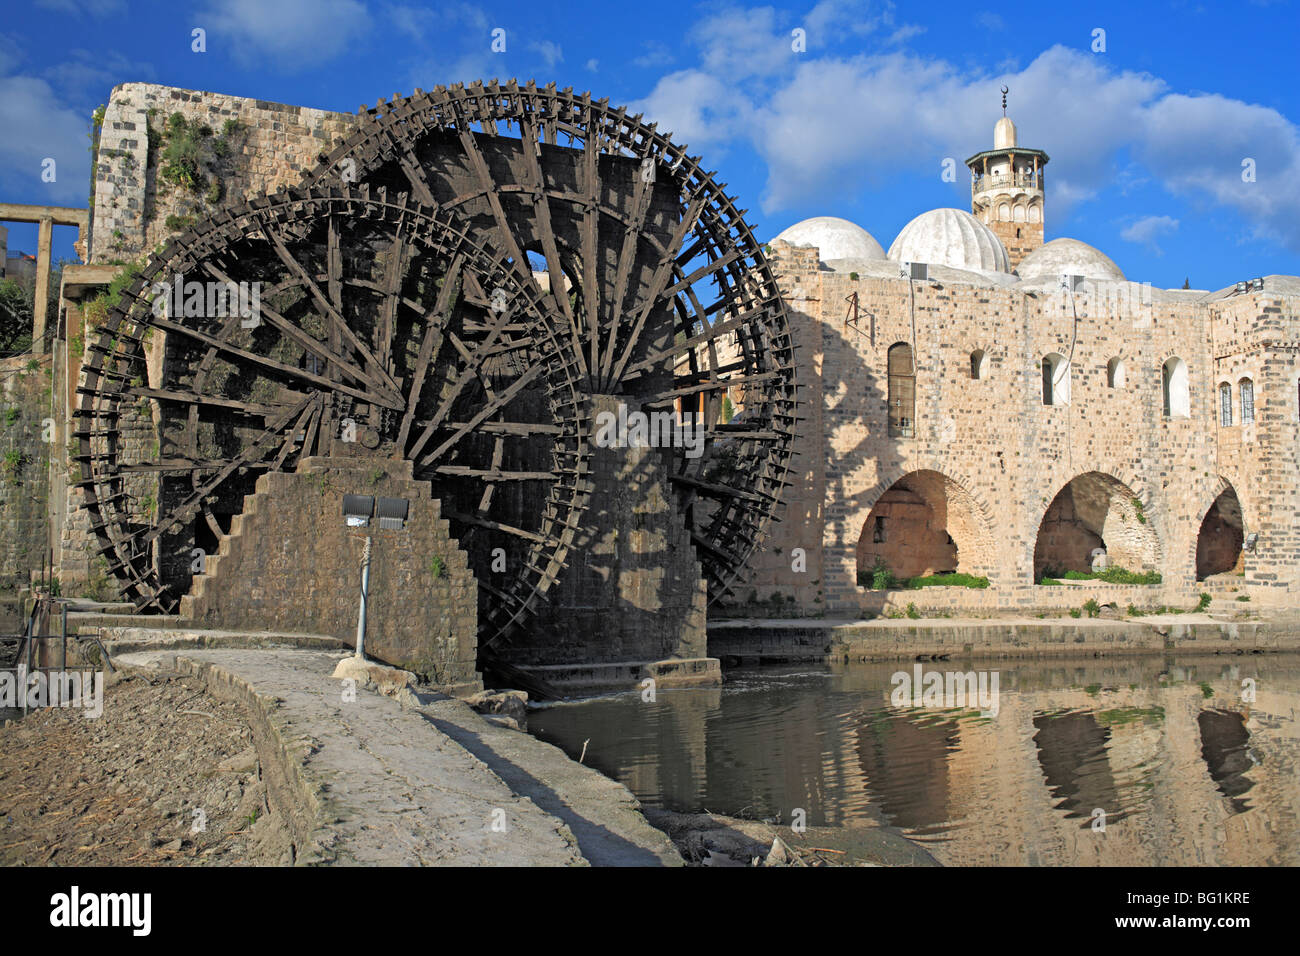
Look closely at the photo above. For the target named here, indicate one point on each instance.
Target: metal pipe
(365, 588)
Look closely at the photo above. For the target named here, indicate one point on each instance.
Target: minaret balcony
(979, 184)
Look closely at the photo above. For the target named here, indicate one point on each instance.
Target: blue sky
(1147, 137)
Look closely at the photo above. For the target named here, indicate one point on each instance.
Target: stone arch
(1056, 379)
(925, 522)
(1019, 212)
(1095, 510)
(1226, 404)
(979, 364)
(1246, 399)
(1174, 388)
(902, 390)
(1035, 214)
(1115, 373)
(1222, 534)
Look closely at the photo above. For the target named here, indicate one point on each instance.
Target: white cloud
(37, 126)
(95, 73)
(828, 126)
(656, 54)
(698, 109)
(990, 21)
(283, 34)
(1148, 229)
(549, 51)
(593, 64)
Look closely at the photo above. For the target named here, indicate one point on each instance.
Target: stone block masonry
(24, 471)
(270, 147)
(633, 590)
(1016, 486)
(291, 564)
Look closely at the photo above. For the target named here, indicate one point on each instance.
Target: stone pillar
(42, 294)
(633, 591)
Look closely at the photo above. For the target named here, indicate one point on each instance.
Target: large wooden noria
(401, 319)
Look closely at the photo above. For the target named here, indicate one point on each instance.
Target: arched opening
(1056, 380)
(978, 360)
(1034, 214)
(1247, 389)
(925, 523)
(1115, 373)
(1219, 542)
(1177, 403)
(1225, 404)
(1092, 511)
(902, 391)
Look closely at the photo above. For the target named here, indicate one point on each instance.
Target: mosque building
(1017, 414)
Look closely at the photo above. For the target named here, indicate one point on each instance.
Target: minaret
(1006, 190)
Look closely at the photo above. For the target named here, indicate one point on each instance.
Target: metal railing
(27, 653)
(1006, 180)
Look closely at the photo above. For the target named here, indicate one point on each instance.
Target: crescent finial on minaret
(1005, 91)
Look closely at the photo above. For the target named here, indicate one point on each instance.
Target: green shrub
(912, 612)
(1204, 602)
(437, 566)
(1110, 576)
(1075, 612)
(1092, 607)
(879, 578)
(951, 580)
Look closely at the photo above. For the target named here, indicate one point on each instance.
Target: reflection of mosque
(1183, 778)
(1169, 770)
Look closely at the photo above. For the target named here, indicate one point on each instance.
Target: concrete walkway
(371, 782)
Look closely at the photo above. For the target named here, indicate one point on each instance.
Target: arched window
(1177, 403)
(1225, 404)
(978, 363)
(902, 391)
(1247, 401)
(1034, 214)
(1004, 212)
(1020, 212)
(1115, 373)
(1056, 380)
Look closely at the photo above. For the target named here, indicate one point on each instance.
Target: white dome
(1069, 257)
(834, 238)
(950, 237)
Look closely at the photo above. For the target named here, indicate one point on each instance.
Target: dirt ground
(167, 776)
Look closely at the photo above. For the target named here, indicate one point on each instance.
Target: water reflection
(1072, 752)
(1164, 747)
(1224, 740)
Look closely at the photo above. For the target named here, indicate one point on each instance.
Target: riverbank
(347, 774)
(783, 640)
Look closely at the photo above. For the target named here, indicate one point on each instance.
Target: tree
(15, 317)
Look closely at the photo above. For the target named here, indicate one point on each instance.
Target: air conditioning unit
(1072, 283)
(917, 270)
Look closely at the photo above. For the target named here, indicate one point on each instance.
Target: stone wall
(271, 147)
(291, 564)
(633, 590)
(1153, 477)
(24, 467)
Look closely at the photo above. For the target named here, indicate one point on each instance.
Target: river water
(1142, 761)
